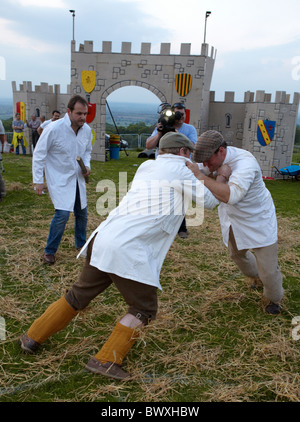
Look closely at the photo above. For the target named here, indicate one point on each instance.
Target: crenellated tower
(182, 77)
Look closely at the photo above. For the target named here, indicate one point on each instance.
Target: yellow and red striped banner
(20, 108)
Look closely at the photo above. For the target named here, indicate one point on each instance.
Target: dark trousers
(35, 138)
(183, 228)
(140, 298)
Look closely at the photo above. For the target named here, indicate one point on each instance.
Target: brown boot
(108, 369)
(49, 259)
(28, 344)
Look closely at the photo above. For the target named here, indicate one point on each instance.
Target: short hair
(54, 111)
(173, 150)
(77, 99)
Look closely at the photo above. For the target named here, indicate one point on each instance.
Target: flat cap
(206, 145)
(175, 140)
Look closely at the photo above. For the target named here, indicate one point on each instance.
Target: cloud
(232, 25)
(14, 38)
(55, 4)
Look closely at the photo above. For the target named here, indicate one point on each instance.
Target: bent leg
(56, 317)
(90, 284)
(142, 301)
(244, 259)
(269, 272)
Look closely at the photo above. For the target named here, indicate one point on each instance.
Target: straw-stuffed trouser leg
(140, 298)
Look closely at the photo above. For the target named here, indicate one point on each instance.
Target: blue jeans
(58, 224)
(20, 141)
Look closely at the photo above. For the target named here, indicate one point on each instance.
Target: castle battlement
(165, 49)
(43, 88)
(281, 97)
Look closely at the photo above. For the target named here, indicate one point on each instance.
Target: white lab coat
(56, 153)
(134, 239)
(250, 209)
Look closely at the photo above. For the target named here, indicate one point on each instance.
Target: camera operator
(178, 125)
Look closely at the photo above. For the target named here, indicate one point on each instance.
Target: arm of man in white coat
(39, 160)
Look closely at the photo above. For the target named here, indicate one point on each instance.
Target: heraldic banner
(88, 80)
(265, 131)
(183, 83)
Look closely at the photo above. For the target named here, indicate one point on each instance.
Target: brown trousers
(262, 264)
(140, 298)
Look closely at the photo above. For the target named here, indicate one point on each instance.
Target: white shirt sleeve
(240, 182)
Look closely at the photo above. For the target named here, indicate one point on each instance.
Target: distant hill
(125, 114)
(6, 108)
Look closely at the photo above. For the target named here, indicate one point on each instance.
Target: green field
(211, 342)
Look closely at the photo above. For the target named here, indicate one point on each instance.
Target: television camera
(168, 118)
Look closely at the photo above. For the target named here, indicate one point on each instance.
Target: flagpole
(73, 15)
(206, 16)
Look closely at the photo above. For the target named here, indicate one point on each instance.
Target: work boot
(108, 369)
(183, 235)
(273, 308)
(49, 259)
(28, 344)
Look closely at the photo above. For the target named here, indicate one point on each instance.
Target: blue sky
(257, 42)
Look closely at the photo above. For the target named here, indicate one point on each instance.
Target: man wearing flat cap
(139, 232)
(247, 213)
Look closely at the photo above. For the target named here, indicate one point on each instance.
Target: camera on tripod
(168, 118)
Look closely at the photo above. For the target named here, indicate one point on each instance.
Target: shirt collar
(173, 156)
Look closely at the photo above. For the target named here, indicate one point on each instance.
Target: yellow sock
(56, 317)
(118, 344)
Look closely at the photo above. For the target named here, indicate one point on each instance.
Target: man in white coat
(247, 212)
(139, 232)
(56, 155)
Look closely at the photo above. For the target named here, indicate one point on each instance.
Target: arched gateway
(170, 77)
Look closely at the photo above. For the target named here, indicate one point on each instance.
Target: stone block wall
(238, 124)
(154, 72)
(40, 100)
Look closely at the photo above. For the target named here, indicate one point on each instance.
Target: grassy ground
(211, 342)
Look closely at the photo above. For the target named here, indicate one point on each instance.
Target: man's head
(55, 115)
(180, 107)
(33, 116)
(210, 150)
(176, 143)
(77, 111)
(17, 115)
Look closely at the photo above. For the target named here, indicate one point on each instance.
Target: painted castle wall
(41, 101)
(155, 72)
(238, 124)
(237, 121)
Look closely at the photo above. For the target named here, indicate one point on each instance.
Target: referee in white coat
(56, 154)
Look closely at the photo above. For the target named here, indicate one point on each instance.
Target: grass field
(211, 342)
